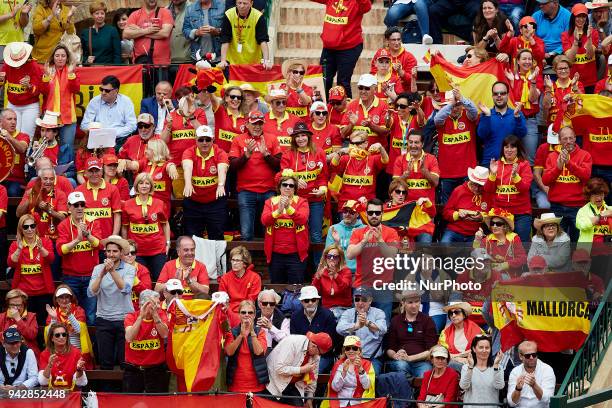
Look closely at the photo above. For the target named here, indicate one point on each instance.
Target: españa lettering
(159, 186)
(144, 228)
(600, 138)
(558, 309)
(92, 214)
(456, 138)
(601, 230)
(203, 181)
(357, 180)
(183, 134)
(568, 179)
(284, 140)
(144, 345)
(226, 135)
(16, 88)
(506, 189)
(336, 20)
(298, 111)
(417, 184)
(363, 129)
(30, 269)
(82, 247)
(307, 175)
(284, 223)
(398, 143)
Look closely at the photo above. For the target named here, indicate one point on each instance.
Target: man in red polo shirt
(279, 122)
(420, 170)
(134, 147)
(337, 105)
(255, 157)
(60, 182)
(20, 141)
(205, 169)
(103, 200)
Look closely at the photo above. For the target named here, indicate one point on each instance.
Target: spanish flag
(194, 343)
(550, 309)
(592, 111)
(474, 82)
(113, 400)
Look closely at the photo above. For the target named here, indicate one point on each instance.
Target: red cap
(537, 262)
(337, 93)
(322, 340)
(382, 53)
(256, 116)
(581, 255)
(94, 163)
(580, 8)
(527, 20)
(110, 158)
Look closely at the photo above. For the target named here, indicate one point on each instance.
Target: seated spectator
(481, 378)
(337, 103)
(50, 21)
(82, 155)
(440, 13)
(526, 39)
(544, 149)
(241, 283)
(458, 335)
(299, 95)
(17, 315)
(151, 35)
(293, 366)
(111, 174)
(286, 241)
(441, 382)
(134, 149)
(245, 346)
(368, 323)
(581, 262)
(19, 369)
(600, 17)
(565, 173)
(532, 383)
(312, 317)
(31, 257)
(111, 284)
(191, 273)
(20, 142)
(61, 364)
(402, 8)
(594, 220)
(202, 26)
(352, 375)
(490, 25)
(502, 244)
(551, 20)
(411, 335)
(325, 135)
(271, 319)
(146, 330)
(474, 56)
(333, 281)
(158, 105)
(101, 43)
(555, 92)
(142, 280)
(551, 243)
(340, 233)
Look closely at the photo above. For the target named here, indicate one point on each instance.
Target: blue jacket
(194, 20)
(345, 232)
(149, 105)
(493, 129)
(322, 322)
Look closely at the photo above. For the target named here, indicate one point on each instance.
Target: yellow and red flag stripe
(107, 400)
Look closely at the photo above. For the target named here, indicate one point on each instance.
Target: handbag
(73, 43)
(432, 397)
(147, 58)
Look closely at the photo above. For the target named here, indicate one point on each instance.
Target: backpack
(411, 32)
(291, 301)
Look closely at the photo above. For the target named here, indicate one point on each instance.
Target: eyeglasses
(14, 305)
(400, 192)
(336, 103)
(144, 125)
(349, 212)
(296, 72)
(176, 292)
(401, 106)
(500, 93)
(133, 253)
(549, 226)
(360, 299)
(247, 312)
(62, 334)
(236, 261)
(106, 90)
(364, 88)
(384, 61)
(270, 304)
(454, 312)
(205, 139)
(497, 223)
(530, 355)
(563, 69)
(280, 103)
(320, 113)
(80, 204)
(409, 328)
(288, 185)
(310, 300)
(235, 97)
(332, 256)
(469, 56)
(351, 348)
(373, 212)
(28, 226)
(525, 26)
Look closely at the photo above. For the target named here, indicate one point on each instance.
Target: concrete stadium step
(311, 13)
(309, 36)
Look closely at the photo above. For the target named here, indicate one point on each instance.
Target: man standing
(532, 383)
(551, 19)
(202, 26)
(179, 45)
(368, 323)
(340, 233)
(498, 123)
(244, 36)
(155, 105)
(18, 367)
(150, 27)
(20, 141)
(112, 110)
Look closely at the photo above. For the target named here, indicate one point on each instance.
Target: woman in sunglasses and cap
(299, 95)
(230, 115)
(352, 376)
(458, 335)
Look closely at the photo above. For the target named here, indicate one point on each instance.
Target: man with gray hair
(270, 318)
(145, 359)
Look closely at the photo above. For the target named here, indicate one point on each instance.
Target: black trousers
(341, 62)
(211, 217)
(148, 380)
(110, 336)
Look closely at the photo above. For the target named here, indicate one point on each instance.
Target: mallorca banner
(474, 82)
(41, 398)
(194, 343)
(550, 309)
(260, 402)
(104, 400)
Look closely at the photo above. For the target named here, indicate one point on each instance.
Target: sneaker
(427, 39)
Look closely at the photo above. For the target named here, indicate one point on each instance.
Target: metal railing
(588, 359)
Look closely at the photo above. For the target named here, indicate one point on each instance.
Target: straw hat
(117, 240)
(49, 121)
(465, 306)
(287, 64)
(478, 175)
(499, 213)
(597, 4)
(246, 87)
(546, 218)
(16, 54)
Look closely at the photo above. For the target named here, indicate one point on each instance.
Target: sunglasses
(176, 292)
(454, 312)
(247, 312)
(236, 260)
(310, 300)
(550, 226)
(270, 304)
(497, 223)
(351, 348)
(296, 72)
(360, 299)
(336, 103)
(106, 90)
(280, 103)
(530, 355)
(205, 139)
(28, 226)
(364, 88)
(144, 126)
(401, 106)
(500, 93)
(332, 256)
(78, 205)
(469, 56)
(400, 192)
(288, 185)
(349, 212)
(320, 113)
(525, 26)
(235, 97)
(62, 334)
(371, 212)
(133, 253)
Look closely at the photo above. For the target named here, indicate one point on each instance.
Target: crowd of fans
(99, 219)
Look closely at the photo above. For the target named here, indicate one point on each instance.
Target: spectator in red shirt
(299, 95)
(527, 39)
(150, 27)
(337, 105)
(17, 315)
(440, 380)
(402, 61)
(62, 365)
(163, 171)
(145, 367)
(241, 283)
(245, 346)
(112, 176)
(31, 256)
(20, 141)
(389, 84)
(230, 115)
(333, 281)
(135, 146)
(279, 122)
(325, 135)
(554, 92)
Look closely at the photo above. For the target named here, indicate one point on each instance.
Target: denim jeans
(79, 285)
(452, 236)
(441, 10)
(154, 264)
(377, 364)
(541, 197)
(341, 62)
(605, 172)
(531, 139)
(14, 188)
(440, 321)
(514, 12)
(447, 185)
(424, 238)
(286, 268)
(522, 226)
(26, 117)
(66, 142)
(250, 206)
(568, 223)
(325, 364)
(399, 11)
(315, 221)
(414, 369)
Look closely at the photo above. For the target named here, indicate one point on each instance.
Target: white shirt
(29, 374)
(544, 377)
(161, 118)
(285, 361)
(346, 386)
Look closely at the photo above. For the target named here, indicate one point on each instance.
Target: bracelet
(518, 389)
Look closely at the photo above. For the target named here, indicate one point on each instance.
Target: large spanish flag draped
(104, 400)
(194, 343)
(550, 309)
(262, 80)
(595, 112)
(474, 82)
(260, 402)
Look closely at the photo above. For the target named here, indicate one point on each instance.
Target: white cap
(220, 297)
(318, 106)
(63, 291)
(76, 197)
(277, 93)
(174, 284)
(204, 131)
(367, 80)
(309, 292)
(552, 137)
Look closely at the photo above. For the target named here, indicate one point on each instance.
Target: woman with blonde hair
(299, 95)
(144, 220)
(333, 281)
(474, 56)
(230, 116)
(62, 364)
(17, 315)
(101, 42)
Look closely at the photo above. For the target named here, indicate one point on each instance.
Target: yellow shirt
(45, 39)
(243, 49)
(10, 31)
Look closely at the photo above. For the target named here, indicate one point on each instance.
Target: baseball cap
(76, 197)
(63, 291)
(110, 158)
(382, 53)
(318, 106)
(579, 8)
(145, 118)
(352, 341)
(367, 80)
(337, 93)
(94, 163)
(12, 335)
(256, 116)
(350, 204)
(527, 20)
(204, 131)
(322, 340)
(174, 284)
(537, 262)
(363, 291)
(439, 351)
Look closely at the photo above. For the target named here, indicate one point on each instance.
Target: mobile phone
(156, 22)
